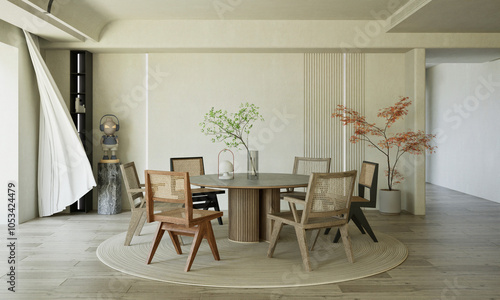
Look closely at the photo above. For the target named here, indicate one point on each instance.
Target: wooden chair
(203, 198)
(135, 194)
(174, 187)
(306, 166)
(367, 180)
(327, 205)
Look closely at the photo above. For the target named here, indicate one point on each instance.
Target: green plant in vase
(233, 128)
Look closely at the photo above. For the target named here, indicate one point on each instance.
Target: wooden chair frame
(203, 198)
(297, 160)
(368, 179)
(308, 219)
(181, 221)
(135, 190)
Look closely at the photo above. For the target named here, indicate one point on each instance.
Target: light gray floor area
(454, 254)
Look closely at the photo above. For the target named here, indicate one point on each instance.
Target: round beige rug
(247, 265)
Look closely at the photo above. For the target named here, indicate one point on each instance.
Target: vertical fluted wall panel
(355, 99)
(324, 89)
(323, 92)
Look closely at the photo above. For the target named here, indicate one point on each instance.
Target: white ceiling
(73, 20)
(439, 56)
(453, 16)
(241, 9)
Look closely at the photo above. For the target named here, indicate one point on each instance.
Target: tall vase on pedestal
(253, 164)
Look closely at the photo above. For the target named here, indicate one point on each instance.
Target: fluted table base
(248, 210)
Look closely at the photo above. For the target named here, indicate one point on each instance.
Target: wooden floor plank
(454, 254)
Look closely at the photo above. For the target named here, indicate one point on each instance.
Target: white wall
(385, 83)
(194, 83)
(159, 113)
(29, 100)
(463, 103)
(184, 86)
(160, 98)
(120, 89)
(413, 166)
(9, 118)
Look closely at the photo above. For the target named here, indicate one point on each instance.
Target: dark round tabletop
(240, 181)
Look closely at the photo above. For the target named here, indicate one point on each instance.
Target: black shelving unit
(81, 111)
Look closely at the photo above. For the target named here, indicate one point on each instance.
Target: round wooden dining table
(250, 200)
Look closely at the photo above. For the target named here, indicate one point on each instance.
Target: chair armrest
(294, 200)
(291, 203)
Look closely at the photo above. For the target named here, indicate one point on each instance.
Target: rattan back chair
(368, 179)
(203, 198)
(135, 195)
(175, 188)
(306, 166)
(327, 205)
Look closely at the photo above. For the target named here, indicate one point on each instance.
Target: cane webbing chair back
(326, 205)
(329, 194)
(192, 165)
(203, 198)
(307, 165)
(170, 187)
(368, 179)
(174, 187)
(367, 174)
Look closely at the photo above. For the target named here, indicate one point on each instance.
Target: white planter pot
(389, 202)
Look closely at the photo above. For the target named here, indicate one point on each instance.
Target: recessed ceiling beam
(51, 19)
(405, 12)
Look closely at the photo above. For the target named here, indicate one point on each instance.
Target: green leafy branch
(231, 128)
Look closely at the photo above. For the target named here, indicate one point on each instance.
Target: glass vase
(253, 164)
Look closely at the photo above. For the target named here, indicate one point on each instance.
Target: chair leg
(175, 240)
(361, 218)
(337, 236)
(315, 239)
(346, 240)
(213, 198)
(144, 217)
(132, 227)
(156, 242)
(198, 237)
(274, 237)
(301, 238)
(358, 224)
(211, 241)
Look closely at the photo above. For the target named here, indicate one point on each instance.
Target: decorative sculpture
(109, 141)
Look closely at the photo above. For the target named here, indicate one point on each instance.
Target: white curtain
(64, 172)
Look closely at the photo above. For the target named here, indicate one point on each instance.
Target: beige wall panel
(186, 86)
(385, 83)
(413, 188)
(323, 91)
(29, 111)
(354, 98)
(120, 89)
(328, 80)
